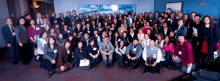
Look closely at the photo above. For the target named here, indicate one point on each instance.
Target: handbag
(86, 65)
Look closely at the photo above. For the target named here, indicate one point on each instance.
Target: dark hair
(119, 45)
(33, 20)
(8, 18)
(169, 9)
(79, 43)
(52, 37)
(65, 41)
(181, 19)
(210, 18)
(74, 10)
(68, 12)
(19, 21)
(169, 42)
(27, 15)
(198, 15)
(41, 34)
(164, 23)
(161, 35)
(168, 15)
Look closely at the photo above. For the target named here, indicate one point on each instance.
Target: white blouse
(145, 43)
(159, 45)
(121, 50)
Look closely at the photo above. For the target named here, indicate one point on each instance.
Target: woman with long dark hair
(120, 53)
(124, 38)
(93, 51)
(80, 54)
(50, 55)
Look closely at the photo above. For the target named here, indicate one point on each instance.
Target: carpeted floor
(33, 72)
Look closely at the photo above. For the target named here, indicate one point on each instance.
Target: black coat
(168, 31)
(81, 54)
(67, 21)
(130, 37)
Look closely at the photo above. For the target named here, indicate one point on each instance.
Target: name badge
(119, 40)
(150, 20)
(88, 31)
(87, 19)
(134, 49)
(121, 30)
(80, 51)
(37, 28)
(179, 52)
(154, 55)
(168, 19)
(134, 28)
(100, 29)
(96, 35)
(76, 17)
(175, 31)
(68, 52)
(94, 49)
(68, 31)
(55, 51)
(42, 25)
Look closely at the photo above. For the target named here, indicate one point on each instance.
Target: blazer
(212, 36)
(88, 20)
(168, 31)
(182, 30)
(132, 38)
(64, 57)
(89, 31)
(187, 52)
(67, 20)
(23, 34)
(174, 23)
(74, 18)
(97, 21)
(79, 20)
(84, 41)
(52, 20)
(42, 28)
(81, 54)
(108, 45)
(49, 53)
(199, 30)
(7, 35)
(60, 20)
(93, 50)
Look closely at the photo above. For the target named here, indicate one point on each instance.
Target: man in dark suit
(156, 15)
(45, 26)
(93, 16)
(116, 16)
(67, 19)
(132, 35)
(80, 19)
(85, 39)
(87, 18)
(9, 36)
(52, 18)
(74, 17)
(172, 21)
(98, 19)
(60, 19)
(39, 19)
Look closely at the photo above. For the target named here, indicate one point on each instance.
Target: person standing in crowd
(147, 27)
(93, 51)
(129, 21)
(98, 19)
(110, 19)
(152, 53)
(156, 29)
(156, 15)
(39, 19)
(9, 36)
(65, 32)
(52, 18)
(80, 19)
(209, 38)
(115, 39)
(183, 57)
(52, 32)
(100, 37)
(141, 20)
(151, 35)
(168, 10)
(45, 26)
(78, 30)
(160, 41)
(150, 18)
(93, 16)
(67, 19)
(22, 37)
(145, 15)
(132, 35)
(93, 26)
(195, 31)
(122, 29)
(74, 17)
(85, 39)
(106, 49)
(181, 29)
(124, 38)
(165, 30)
(88, 30)
(173, 21)
(64, 62)
(133, 53)
(60, 19)
(27, 20)
(50, 56)
(40, 46)
(120, 53)
(25, 13)
(87, 18)
(33, 34)
(140, 35)
(146, 41)
(167, 51)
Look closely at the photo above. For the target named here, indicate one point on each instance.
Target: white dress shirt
(39, 20)
(159, 54)
(160, 45)
(145, 42)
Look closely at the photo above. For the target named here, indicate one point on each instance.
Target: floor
(33, 72)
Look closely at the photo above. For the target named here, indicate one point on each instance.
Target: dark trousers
(24, 54)
(32, 47)
(14, 51)
(48, 65)
(94, 61)
(156, 68)
(196, 50)
(120, 58)
(135, 62)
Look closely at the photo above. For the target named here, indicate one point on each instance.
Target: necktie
(106, 48)
(39, 21)
(12, 29)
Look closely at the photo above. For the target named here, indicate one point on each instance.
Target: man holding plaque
(152, 57)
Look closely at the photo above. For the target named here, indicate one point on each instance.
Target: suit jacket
(63, 57)
(60, 20)
(43, 29)
(168, 31)
(88, 20)
(174, 23)
(84, 41)
(130, 37)
(92, 17)
(79, 20)
(81, 54)
(98, 20)
(67, 20)
(7, 35)
(74, 18)
(182, 30)
(23, 34)
(90, 31)
(199, 30)
(52, 20)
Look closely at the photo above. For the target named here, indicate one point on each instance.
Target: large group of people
(170, 39)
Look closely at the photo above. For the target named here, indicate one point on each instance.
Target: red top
(167, 48)
(205, 46)
(111, 20)
(145, 29)
(187, 52)
(32, 32)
